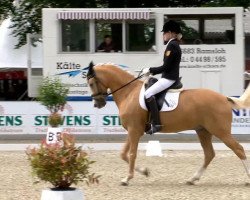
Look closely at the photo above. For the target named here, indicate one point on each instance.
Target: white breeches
(159, 86)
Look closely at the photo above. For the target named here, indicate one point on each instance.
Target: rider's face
(166, 36)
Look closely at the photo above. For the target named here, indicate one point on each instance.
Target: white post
(154, 148)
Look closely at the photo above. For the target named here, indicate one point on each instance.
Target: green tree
(6, 7)
(229, 3)
(27, 17)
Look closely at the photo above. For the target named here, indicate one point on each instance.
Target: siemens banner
(81, 118)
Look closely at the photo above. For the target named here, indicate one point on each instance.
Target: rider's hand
(146, 71)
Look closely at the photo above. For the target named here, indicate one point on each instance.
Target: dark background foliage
(27, 16)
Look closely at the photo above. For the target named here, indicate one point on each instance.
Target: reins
(107, 94)
(138, 77)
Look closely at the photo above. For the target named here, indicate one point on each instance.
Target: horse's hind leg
(206, 142)
(237, 149)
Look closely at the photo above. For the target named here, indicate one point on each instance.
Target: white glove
(146, 71)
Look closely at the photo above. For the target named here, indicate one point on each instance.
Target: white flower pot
(48, 194)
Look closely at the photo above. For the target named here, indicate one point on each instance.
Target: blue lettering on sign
(242, 112)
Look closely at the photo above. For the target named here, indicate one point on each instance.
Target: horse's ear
(91, 72)
(91, 64)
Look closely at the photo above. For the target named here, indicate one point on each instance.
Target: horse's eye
(91, 85)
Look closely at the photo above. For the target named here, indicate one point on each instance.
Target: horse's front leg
(124, 155)
(131, 146)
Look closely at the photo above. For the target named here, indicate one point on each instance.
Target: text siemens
(11, 120)
(67, 120)
(112, 120)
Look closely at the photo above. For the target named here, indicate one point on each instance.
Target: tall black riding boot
(156, 124)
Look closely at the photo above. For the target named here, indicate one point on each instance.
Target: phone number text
(204, 59)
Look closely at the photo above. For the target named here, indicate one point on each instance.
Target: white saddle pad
(171, 97)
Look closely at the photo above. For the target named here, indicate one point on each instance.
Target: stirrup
(154, 129)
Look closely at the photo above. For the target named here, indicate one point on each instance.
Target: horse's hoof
(247, 184)
(190, 183)
(124, 183)
(146, 172)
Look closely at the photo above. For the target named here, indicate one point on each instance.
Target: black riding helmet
(172, 26)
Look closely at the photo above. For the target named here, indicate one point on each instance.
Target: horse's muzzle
(100, 103)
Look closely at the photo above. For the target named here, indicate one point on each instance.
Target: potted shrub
(61, 164)
(52, 93)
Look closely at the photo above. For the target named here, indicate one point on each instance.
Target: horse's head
(99, 91)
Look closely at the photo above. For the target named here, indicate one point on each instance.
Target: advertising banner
(78, 118)
(81, 118)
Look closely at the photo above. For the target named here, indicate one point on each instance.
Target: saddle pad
(171, 97)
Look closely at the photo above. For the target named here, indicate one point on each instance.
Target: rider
(169, 70)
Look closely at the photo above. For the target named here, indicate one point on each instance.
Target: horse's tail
(243, 101)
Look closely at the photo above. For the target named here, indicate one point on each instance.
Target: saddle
(160, 97)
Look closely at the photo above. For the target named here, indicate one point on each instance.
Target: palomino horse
(209, 113)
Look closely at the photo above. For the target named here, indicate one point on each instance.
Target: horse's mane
(118, 70)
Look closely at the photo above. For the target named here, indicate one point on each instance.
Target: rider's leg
(159, 86)
(155, 126)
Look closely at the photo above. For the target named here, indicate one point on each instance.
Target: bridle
(99, 92)
(105, 94)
